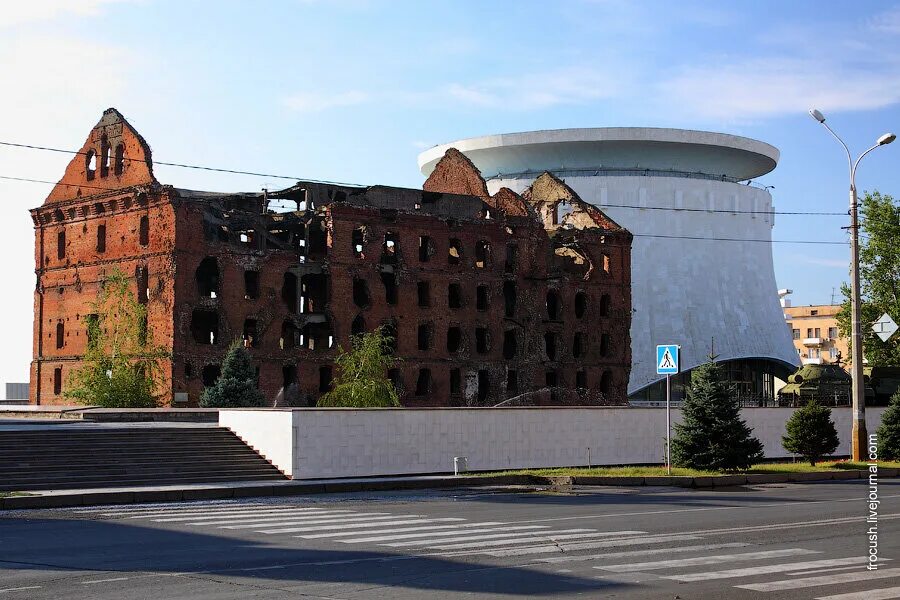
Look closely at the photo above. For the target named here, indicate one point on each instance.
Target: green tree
(810, 433)
(120, 368)
(712, 436)
(879, 273)
(362, 381)
(889, 431)
(236, 386)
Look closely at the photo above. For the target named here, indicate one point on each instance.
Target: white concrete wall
(691, 291)
(269, 432)
(317, 443)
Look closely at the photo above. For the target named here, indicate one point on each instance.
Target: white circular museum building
(702, 273)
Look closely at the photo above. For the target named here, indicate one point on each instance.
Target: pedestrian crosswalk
(683, 557)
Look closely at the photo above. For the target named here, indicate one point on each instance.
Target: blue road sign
(667, 359)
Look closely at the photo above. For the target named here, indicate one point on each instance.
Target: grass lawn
(798, 467)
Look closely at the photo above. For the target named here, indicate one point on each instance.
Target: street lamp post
(858, 432)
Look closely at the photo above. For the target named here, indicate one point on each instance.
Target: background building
(702, 261)
(816, 335)
(486, 297)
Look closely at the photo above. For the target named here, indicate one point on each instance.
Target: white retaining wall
(316, 443)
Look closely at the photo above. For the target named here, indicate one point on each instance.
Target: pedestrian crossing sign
(667, 359)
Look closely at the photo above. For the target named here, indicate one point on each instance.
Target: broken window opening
(325, 377)
(512, 258)
(317, 239)
(120, 159)
(247, 237)
(316, 337)
(188, 370)
(553, 305)
(578, 345)
(606, 264)
(454, 252)
(605, 302)
(144, 233)
(396, 380)
(550, 345)
(454, 339)
(510, 344)
(210, 374)
(90, 164)
(104, 156)
(142, 278)
(425, 336)
(208, 277)
(426, 248)
(390, 287)
(581, 379)
(509, 298)
(313, 293)
(481, 298)
(606, 381)
(358, 327)
(423, 290)
(484, 385)
(455, 382)
(357, 238)
(423, 382)
(61, 244)
(250, 336)
(251, 285)
(390, 249)
(60, 335)
(454, 295)
(551, 379)
(57, 381)
(361, 296)
(289, 291)
(482, 340)
(290, 335)
(101, 238)
(389, 332)
(288, 375)
(604, 344)
(512, 383)
(205, 326)
(482, 254)
(580, 304)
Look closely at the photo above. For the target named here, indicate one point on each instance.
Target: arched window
(104, 156)
(90, 164)
(119, 167)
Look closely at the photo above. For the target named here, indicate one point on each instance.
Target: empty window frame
(207, 276)
(144, 233)
(142, 279)
(606, 382)
(358, 326)
(290, 335)
(423, 292)
(390, 250)
(512, 383)
(250, 335)
(205, 326)
(454, 252)
(484, 385)
(554, 308)
(512, 258)
(210, 374)
(389, 280)
(454, 295)
(604, 308)
(425, 335)
(90, 165)
(455, 382)
(481, 298)
(581, 381)
(510, 344)
(104, 156)
(551, 379)
(578, 345)
(580, 304)
(57, 381)
(61, 244)
(454, 339)
(482, 340)
(251, 285)
(361, 296)
(357, 242)
(119, 166)
(60, 335)
(604, 344)
(101, 238)
(426, 248)
(509, 299)
(289, 291)
(606, 264)
(550, 340)
(482, 254)
(423, 382)
(313, 293)
(325, 378)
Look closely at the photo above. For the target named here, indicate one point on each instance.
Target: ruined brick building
(488, 297)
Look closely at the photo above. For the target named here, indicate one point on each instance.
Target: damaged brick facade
(502, 299)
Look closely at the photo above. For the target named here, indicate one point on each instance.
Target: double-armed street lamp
(858, 435)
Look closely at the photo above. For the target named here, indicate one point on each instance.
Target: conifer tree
(362, 374)
(712, 436)
(889, 431)
(236, 386)
(810, 433)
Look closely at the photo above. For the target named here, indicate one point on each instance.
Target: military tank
(881, 384)
(828, 384)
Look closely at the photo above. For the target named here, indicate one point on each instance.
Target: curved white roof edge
(652, 135)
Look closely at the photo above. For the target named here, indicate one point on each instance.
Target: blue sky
(353, 90)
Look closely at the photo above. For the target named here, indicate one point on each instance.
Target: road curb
(298, 488)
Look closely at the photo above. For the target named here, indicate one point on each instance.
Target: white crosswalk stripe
(554, 537)
(564, 546)
(244, 515)
(704, 560)
(766, 569)
(253, 524)
(401, 521)
(475, 539)
(879, 594)
(822, 580)
(425, 531)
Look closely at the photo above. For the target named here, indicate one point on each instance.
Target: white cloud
(19, 13)
(886, 22)
(319, 101)
(767, 87)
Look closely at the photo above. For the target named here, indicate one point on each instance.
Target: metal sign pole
(668, 425)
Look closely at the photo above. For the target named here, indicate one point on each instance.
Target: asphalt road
(794, 541)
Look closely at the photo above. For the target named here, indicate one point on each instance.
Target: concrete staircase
(61, 457)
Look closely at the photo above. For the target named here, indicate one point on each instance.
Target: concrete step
(25, 469)
(86, 483)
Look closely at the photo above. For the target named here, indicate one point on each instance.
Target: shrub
(889, 431)
(362, 380)
(236, 386)
(810, 433)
